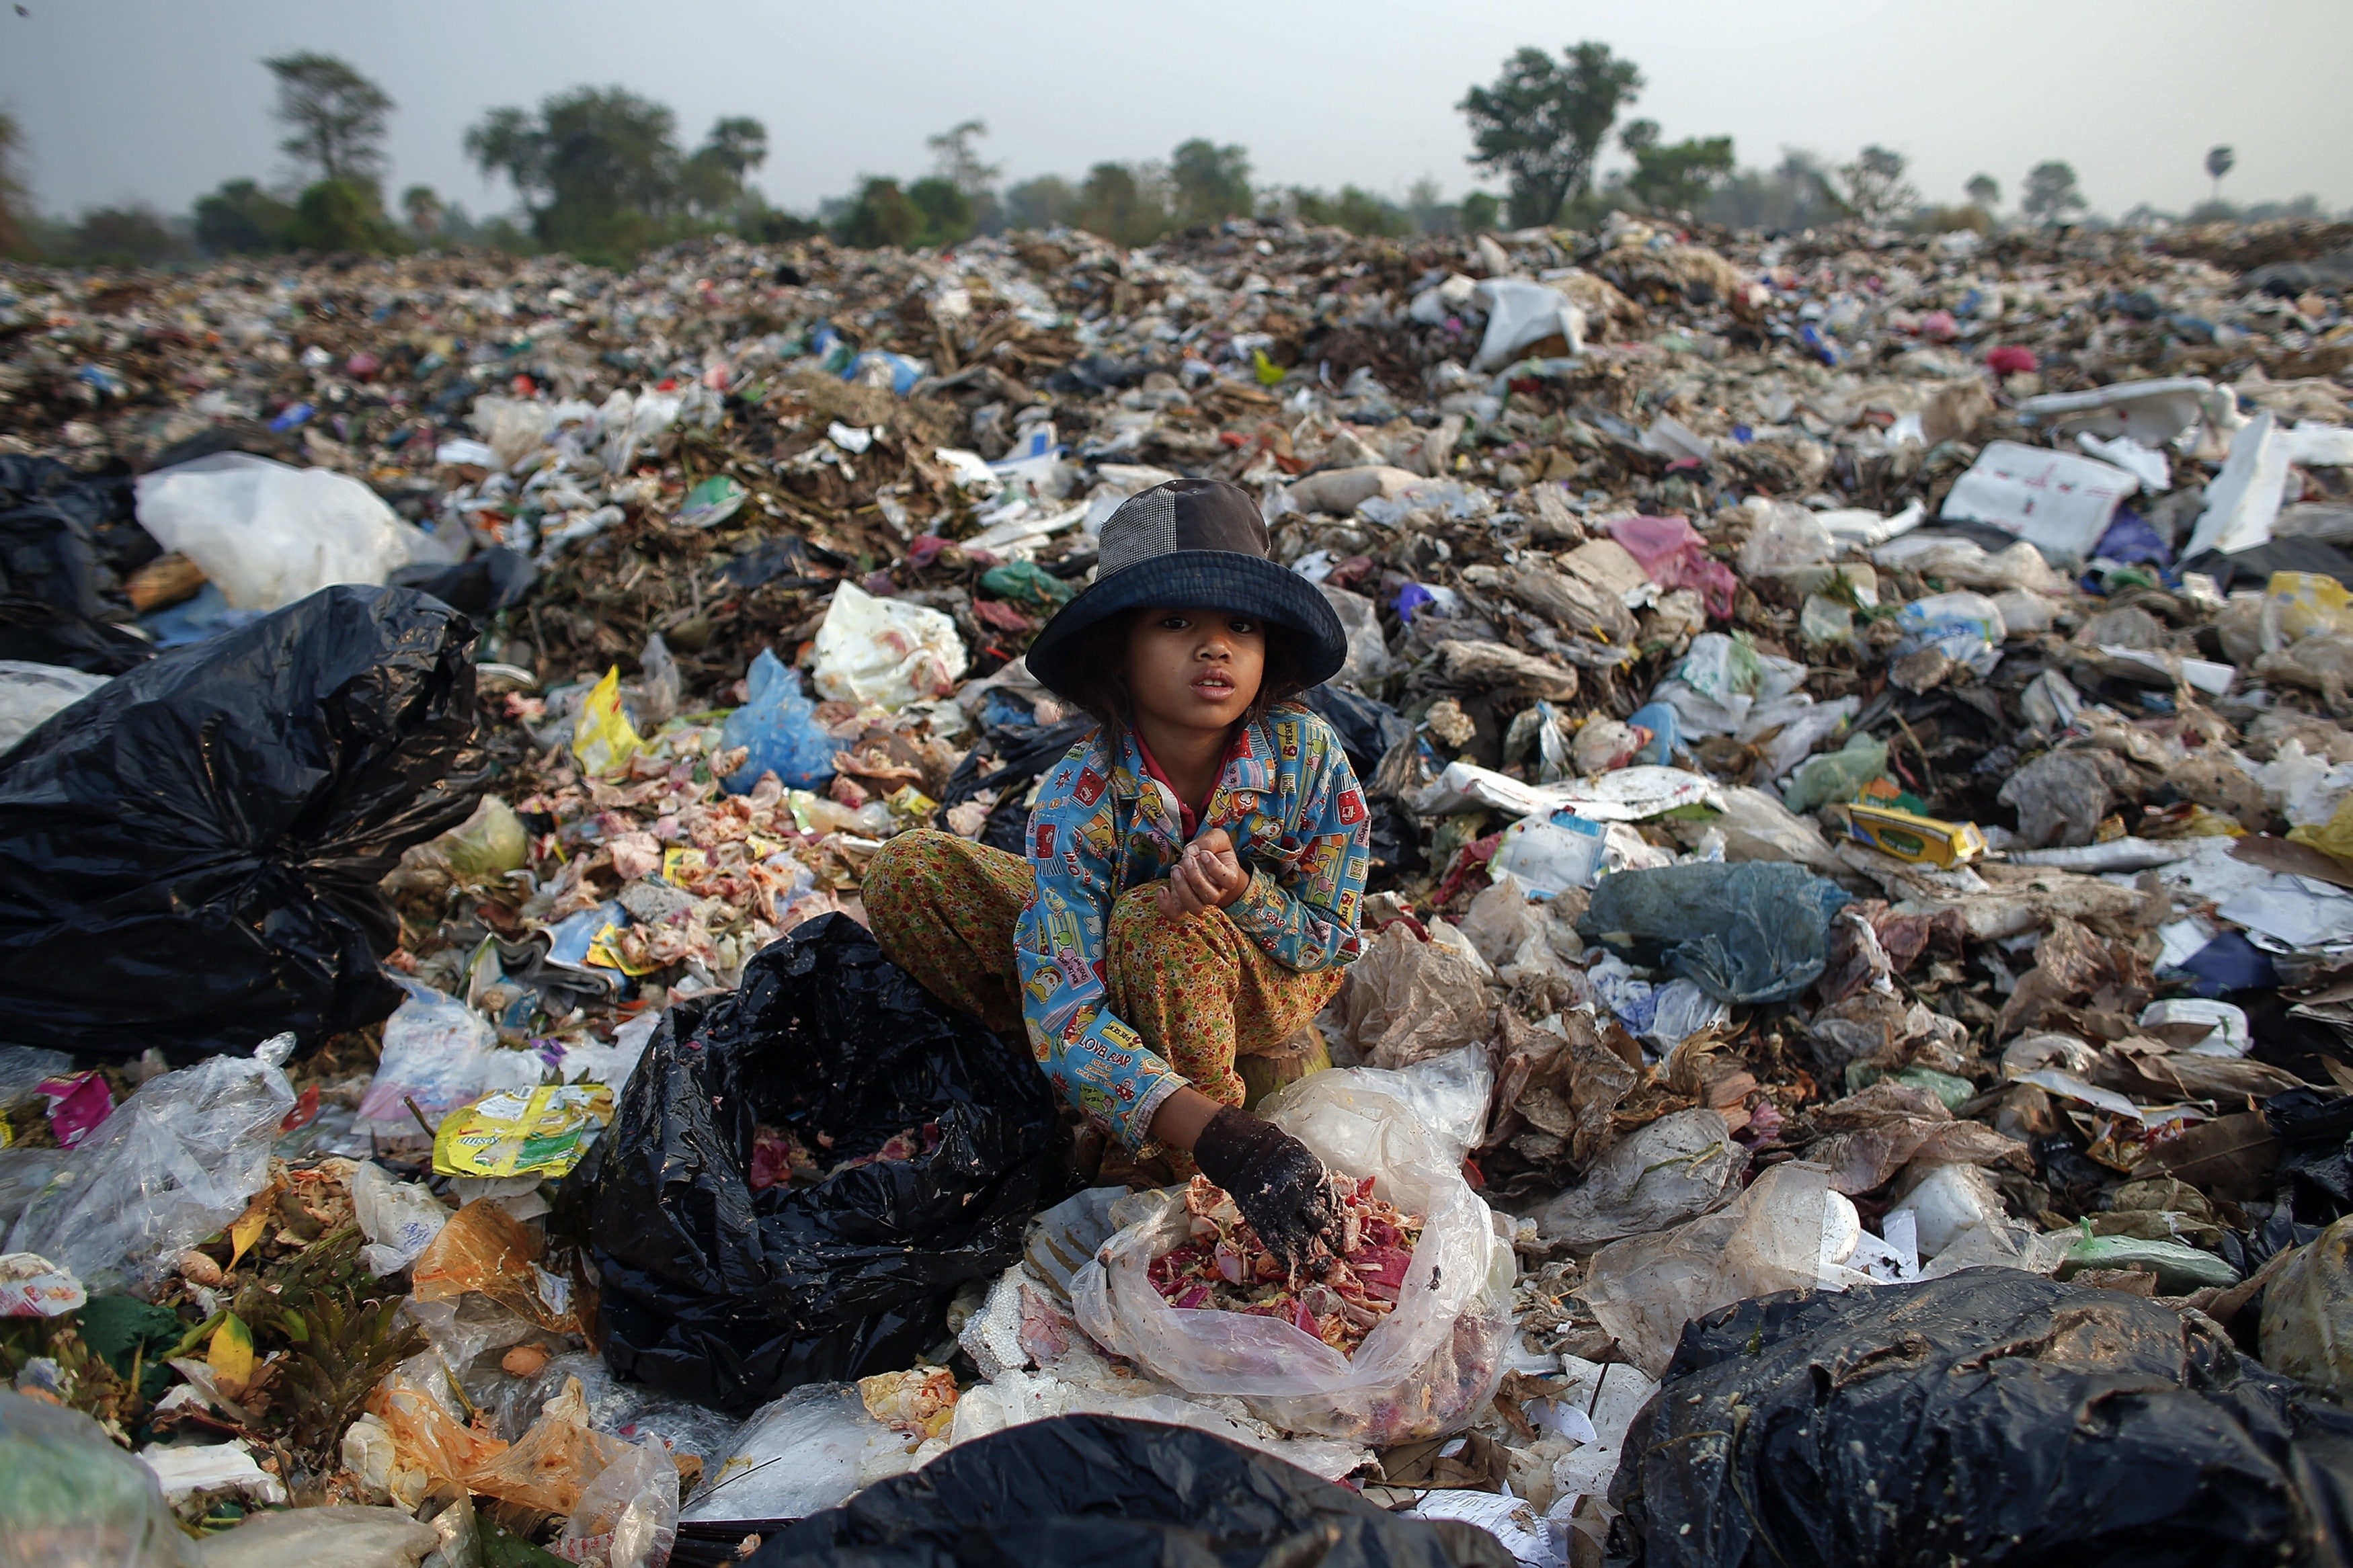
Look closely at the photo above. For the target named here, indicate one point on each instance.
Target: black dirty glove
(1281, 1189)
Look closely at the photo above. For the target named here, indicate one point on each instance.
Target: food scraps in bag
(919, 1403)
(779, 1158)
(1226, 1268)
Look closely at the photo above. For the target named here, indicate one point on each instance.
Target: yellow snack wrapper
(602, 736)
(2334, 836)
(605, 952)
(542, 1131)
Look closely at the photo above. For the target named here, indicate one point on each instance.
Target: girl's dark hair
(1099, 682)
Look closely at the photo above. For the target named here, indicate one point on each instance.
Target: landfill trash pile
(1858, 738)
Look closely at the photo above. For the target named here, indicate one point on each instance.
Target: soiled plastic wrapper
(2307, 1324)
(1675, 1169)
(340, 1534)
(399, 1219)
(1431, 1364)
(1407, 999)
(627, 1516)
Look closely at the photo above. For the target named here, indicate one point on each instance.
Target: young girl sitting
(1195, 864)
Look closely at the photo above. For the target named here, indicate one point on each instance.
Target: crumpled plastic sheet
(1407, 999)
(1675, 1169)
(172, 1165)
(1788, 1231)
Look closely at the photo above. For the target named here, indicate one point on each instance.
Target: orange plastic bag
(486, 1251)
(547, 1469)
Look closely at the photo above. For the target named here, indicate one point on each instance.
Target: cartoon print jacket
(1292, 806)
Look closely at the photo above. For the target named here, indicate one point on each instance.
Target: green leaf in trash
(115, 1327)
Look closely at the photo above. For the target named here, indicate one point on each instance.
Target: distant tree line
(600, 173)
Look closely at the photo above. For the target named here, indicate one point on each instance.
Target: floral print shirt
(1102, 826)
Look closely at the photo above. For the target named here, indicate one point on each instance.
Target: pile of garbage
(1859, 735)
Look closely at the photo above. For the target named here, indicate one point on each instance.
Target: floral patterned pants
(1199, 990)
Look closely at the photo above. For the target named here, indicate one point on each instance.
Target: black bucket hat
(1192, 543)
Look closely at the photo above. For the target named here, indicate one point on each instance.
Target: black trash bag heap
(65, 536)
(1119, 1494)
(189, 857)
(1990, 1416)
(717, 1293)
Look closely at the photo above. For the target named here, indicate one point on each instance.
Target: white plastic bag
(1519, 313)
(269, 534)
(514, 426)
(29, 693)
(1966, 627)
(627, 1517)
(400, 1219)
(800, 1455)
(1963, 563)
(437, 1052)
(886, 652)
(1788, 1231)
(173, 1163)
(1783, 537)
(1429, 1366)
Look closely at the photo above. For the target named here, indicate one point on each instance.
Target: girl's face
(1197, 668)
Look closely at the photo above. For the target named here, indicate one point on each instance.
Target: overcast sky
(143, 100)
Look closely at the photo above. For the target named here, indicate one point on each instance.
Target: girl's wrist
(1180, 1119)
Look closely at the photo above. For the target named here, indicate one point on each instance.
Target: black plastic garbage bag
(1369, 731)
(1024, 752)
(64, 537)
(2315, 1134)
(1753, 932)
(483, 583)
(189, 855)
(1112, 1493)
(727, 1295)
(1992, 1416)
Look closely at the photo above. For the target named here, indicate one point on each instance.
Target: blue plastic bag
(1753, 932)
(1666, 734)
(780, 727)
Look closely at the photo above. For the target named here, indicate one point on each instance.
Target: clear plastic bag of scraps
(1432, 1362)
